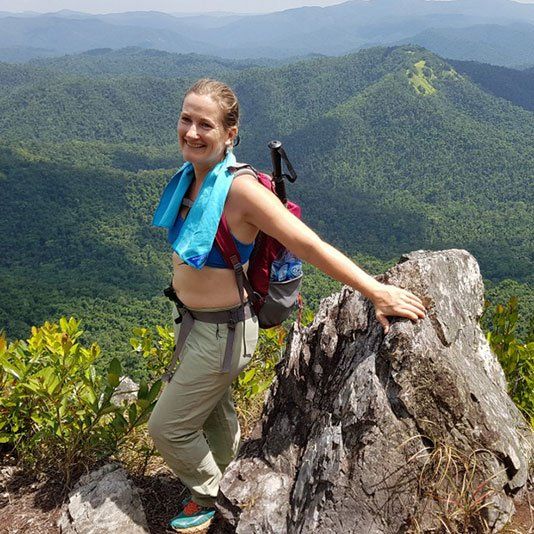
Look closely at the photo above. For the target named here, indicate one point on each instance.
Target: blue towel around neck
(196, 237)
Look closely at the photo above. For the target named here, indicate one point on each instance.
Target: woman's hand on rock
(393, 301)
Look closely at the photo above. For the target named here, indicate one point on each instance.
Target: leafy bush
(157, 349)
(56, 411)
(516, 357)
(250, 386)
(259, 374)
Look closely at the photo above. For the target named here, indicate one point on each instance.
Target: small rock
(104, 501)
(126, 391)
(7, 472)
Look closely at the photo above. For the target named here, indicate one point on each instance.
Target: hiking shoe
(193, 518)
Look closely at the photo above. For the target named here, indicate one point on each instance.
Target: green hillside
(140, 110)
(395, 149)
(76, 240)
(398, 155)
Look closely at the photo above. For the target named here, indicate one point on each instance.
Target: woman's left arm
(262, 209)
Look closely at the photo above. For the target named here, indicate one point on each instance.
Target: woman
(194, 424)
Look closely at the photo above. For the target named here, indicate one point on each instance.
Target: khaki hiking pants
(194, 425)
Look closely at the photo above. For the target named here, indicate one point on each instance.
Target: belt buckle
(234, 317)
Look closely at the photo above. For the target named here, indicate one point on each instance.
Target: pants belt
(187, 319)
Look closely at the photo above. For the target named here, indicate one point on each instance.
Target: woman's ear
(232, 134)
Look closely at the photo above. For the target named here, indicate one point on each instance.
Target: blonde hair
(223, 95)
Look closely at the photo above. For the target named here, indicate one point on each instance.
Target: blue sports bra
(215, 258)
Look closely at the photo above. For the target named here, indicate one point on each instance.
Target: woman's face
(202, 136)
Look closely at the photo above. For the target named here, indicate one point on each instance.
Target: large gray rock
(365, 433)
(104, 501)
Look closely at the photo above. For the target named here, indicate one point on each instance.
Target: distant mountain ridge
(135, 61)
(331, 30)
(64, 35)
(510, 45)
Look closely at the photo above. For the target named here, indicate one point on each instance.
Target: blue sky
(170, 6)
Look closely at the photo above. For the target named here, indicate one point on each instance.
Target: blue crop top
(215, 258)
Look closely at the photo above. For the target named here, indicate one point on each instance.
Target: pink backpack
(272, 299)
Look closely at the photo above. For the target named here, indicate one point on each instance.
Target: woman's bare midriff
(208, 287)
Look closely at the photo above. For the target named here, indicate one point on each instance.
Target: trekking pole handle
(274, 146)
(278, 177)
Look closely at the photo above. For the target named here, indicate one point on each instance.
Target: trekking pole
(277, 155)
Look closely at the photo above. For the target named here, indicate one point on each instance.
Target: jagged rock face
(359, 427)
(104, 501)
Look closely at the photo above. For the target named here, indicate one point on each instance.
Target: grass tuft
(454, 494)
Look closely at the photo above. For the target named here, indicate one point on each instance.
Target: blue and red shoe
(193, 518)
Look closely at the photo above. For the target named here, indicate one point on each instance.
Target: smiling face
(202, 137)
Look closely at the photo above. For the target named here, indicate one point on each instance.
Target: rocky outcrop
(104, 501)
(365, 433)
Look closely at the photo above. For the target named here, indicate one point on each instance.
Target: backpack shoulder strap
(243, 168)
(227, 246)
(226, 243)
(223, 237)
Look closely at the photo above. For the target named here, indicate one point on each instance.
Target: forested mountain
(396, 151)
(517, 86)
(331, 30)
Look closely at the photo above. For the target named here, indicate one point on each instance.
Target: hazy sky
(170, 6)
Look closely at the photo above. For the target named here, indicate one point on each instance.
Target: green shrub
(516, 357)
(56, 411)
(250, 385)
(156, 348)
(259, 374)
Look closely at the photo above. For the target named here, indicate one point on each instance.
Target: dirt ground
(523, 519)
(34, 506)
(30, 505)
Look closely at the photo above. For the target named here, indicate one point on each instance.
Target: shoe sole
(198, 528)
